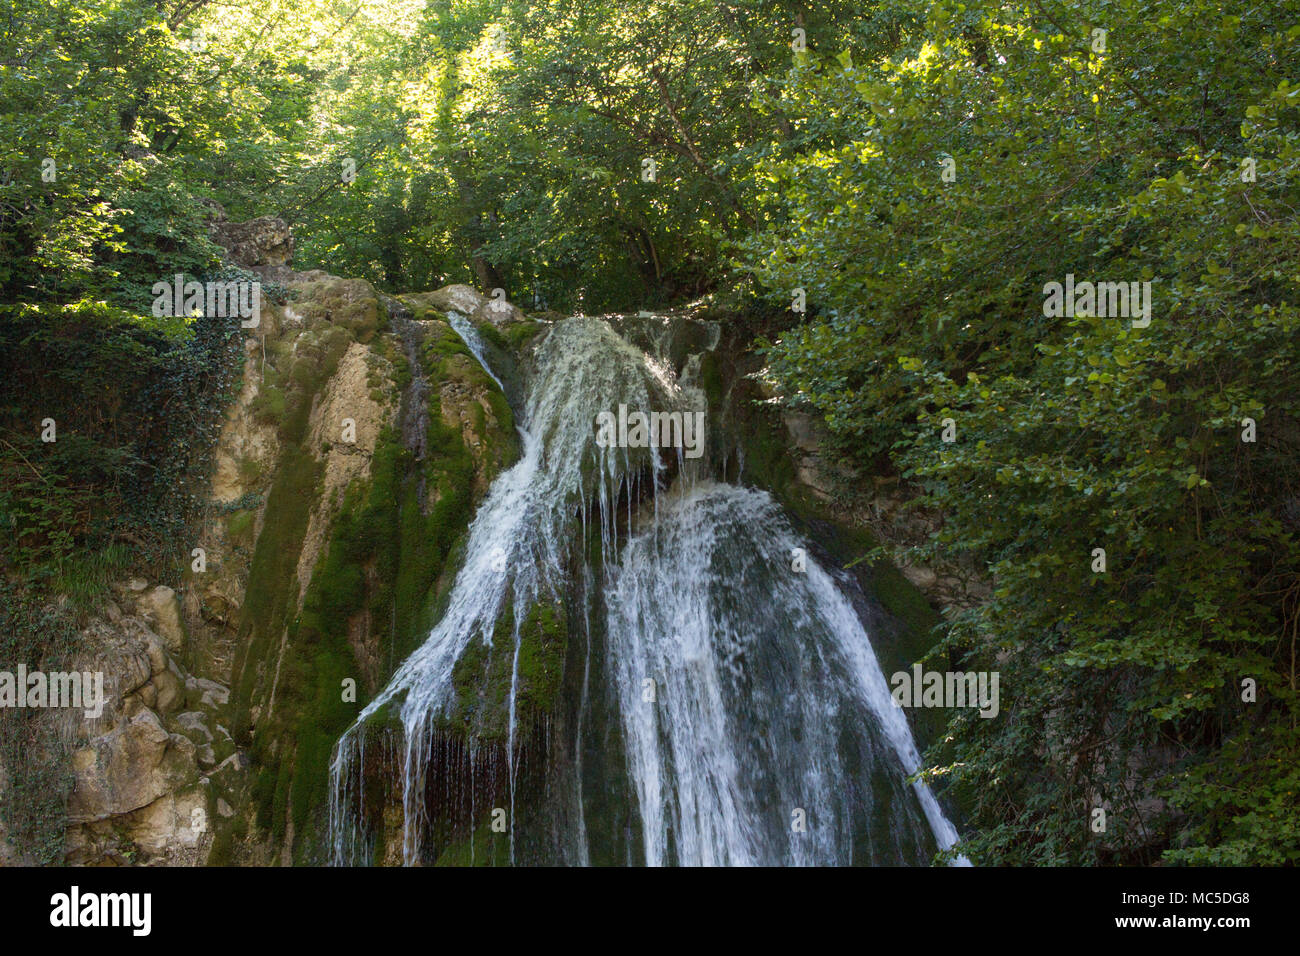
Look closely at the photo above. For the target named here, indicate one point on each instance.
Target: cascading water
(762, 680)
(756, 723)
(474, 342)
(516, 550)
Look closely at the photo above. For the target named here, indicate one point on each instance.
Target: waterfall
(474, 342)
(757, 724)
(760, 677)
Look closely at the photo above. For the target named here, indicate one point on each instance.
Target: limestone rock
(195, 721)
(171, 691)
(128, 654)
(498, 312)
(163, 609)
(804, 431)
(459, 298)
(156, 652)
(210, 695)
(265, 241)
(345, 398)
(921, 577)
(174, 829)
(128, 768)
(175, 821)
(884, 509)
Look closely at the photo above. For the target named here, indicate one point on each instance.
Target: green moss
(225, 840)
(377, 576)
(441, 341)
(768, 462)
(484, 847)
(519, 334)
(264, 794)
(484, 674)
(347, 304)
(239, 526)
(712, 381)
(269, 405)
(492, 334)
(482, 678)
(250, 470)
(314, 361)
(386, 716)
(512, 337)
(383, 560)
(543, 641)
(270, 594)
(401, 372)
(292, 737)
(280, 803)
(906, 602)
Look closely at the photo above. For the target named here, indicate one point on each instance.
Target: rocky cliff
(345, 472)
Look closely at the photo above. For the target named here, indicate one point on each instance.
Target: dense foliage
(1171, 446)
(33, 745)
(104, 419)
(921, 171)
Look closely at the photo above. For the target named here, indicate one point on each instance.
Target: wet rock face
(359, 426)
(265, 241)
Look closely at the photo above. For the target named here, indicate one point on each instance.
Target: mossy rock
(441, 340)
(239, 526)
(543, 642)
(351, 304)
(484, 673)
(484, 847)
(513, 337)
(269, 406)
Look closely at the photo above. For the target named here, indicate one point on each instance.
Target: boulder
(498, 312)
(457, 298)
(265, 241)
(171, 823)
(171, 690)
(207, 694)
(806, 434)
(128, 768)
